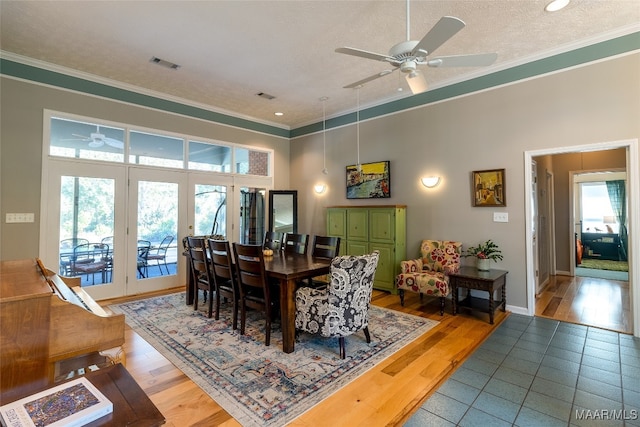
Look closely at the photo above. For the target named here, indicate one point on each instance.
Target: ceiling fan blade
(477, 60)
(364, 54)
(368, 79)
(114, 143)
(95, 144)
(417, 82)
(83, 137)
(444, 29)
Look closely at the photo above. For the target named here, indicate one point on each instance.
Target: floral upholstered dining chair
(342, 308)
(429, 275)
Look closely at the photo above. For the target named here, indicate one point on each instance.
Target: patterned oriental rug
(256, 384)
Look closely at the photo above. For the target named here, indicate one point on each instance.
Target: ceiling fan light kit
(407, 55)
(556, 5)
(417, 82)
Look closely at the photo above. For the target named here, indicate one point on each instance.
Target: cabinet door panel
(337, 223)
(356, 248)
(385, 273)
(357, 224)
(382, 225)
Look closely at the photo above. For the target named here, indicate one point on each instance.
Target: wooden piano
(49, 327)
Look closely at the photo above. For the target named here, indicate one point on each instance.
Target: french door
(132, 210)
(81, 214)
(157, 212)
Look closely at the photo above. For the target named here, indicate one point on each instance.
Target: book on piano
(74, 403)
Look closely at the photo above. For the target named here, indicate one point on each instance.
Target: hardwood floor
(385, 395)
(589, 301)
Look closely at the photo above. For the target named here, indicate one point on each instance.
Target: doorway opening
(562, 266)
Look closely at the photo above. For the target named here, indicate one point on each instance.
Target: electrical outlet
(500, 217)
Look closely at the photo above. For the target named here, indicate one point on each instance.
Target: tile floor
(540, 372)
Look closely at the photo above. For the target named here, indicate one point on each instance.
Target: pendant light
(324, 136)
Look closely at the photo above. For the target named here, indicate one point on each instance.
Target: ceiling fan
(409, 54)
(97, 139)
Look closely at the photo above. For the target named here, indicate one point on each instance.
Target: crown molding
(25, 60)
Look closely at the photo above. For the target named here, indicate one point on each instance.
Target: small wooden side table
(131, 405)
(473, 279)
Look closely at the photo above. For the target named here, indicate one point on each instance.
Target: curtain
(252, 230)
(618, 200)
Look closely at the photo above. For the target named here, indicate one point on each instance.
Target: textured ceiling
(229, 51)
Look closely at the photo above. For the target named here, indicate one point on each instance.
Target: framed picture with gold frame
(488, 188)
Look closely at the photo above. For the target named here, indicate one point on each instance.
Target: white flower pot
(483, 264)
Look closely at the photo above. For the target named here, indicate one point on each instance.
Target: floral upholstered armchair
(342, 308)
(429, 275)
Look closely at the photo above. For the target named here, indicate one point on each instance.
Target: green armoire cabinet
(364, 229)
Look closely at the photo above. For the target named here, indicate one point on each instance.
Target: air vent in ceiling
(265, 95)
(164, 63)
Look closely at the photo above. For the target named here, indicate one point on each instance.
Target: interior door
(157, 209)
(534, 223)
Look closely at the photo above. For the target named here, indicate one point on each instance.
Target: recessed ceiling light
(556, 5)
(279, 113)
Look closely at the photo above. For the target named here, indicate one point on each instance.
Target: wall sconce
(430, 181)
(319, 188)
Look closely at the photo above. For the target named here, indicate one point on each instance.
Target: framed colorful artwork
(488, 188)
(369, 181)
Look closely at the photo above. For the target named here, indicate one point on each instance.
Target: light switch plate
(19, 217)
(500, 217)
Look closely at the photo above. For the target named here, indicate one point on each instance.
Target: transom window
(89, 139)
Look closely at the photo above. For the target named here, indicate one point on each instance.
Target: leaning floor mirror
(283, 211)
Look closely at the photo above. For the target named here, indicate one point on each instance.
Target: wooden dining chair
(202, 277)
(295, 243)
(325, 247)
(273, 240)
(224, 275)
(254, 285)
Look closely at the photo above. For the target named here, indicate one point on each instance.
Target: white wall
(488, 130)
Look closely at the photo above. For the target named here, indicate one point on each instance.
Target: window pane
(597, 214)
(81, 140)
(210, 210)
(251, 162)
(156, 150)
(157, 219)
(209, 157)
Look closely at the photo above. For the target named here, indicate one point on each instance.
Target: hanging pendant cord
(324, 136)
(358, 127)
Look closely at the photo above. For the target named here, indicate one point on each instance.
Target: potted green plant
(484, 252)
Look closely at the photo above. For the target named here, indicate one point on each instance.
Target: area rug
(604, 264)
(256, 384)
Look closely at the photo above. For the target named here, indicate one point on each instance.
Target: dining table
(288, 270)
